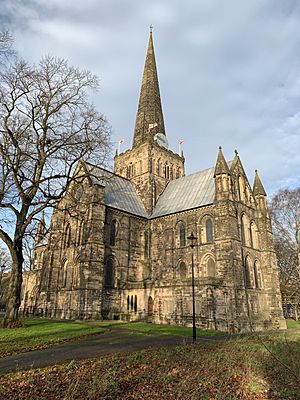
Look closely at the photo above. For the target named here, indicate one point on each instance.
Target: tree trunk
(15, 286)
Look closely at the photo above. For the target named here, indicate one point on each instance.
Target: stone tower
(149, 164)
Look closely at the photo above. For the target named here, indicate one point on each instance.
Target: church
(119, 247)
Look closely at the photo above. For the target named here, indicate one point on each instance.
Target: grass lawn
(40, 333)
(238, 368)
(166, 329)
(291, 323)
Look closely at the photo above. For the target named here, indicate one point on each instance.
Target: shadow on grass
(282, 367)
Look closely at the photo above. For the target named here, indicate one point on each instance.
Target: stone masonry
(118, 246)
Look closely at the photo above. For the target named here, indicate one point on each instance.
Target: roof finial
(151, 28)
(236, 152)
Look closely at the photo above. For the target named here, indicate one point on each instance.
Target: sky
(229, 71)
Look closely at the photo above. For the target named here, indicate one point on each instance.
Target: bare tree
(6, 49)
(47, 125)
(285, 210)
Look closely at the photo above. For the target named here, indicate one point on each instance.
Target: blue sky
(229, 71)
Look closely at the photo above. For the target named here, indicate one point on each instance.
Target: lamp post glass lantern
(193, 240)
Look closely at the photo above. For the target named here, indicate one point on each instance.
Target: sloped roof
(188, 192)
(185, 193)
(119, 192)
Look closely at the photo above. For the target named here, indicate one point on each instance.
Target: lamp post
(193, 240)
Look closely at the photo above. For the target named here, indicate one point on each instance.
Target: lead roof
(185, 193)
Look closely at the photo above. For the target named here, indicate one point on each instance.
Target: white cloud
(229, 71)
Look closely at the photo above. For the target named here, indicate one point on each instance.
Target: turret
(259, 193)
(222, 178)
(41, 230)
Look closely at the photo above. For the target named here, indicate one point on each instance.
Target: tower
(149, 164)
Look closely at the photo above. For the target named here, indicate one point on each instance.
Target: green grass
(165, 329)
(234, 369)
(291, 323)
(40, 333)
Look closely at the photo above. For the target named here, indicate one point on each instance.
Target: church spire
(149, 117)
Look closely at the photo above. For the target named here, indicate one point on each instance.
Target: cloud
(229, 71)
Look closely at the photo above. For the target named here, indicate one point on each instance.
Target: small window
(243, 232)
(68, 236)
(158, 169)
(135, 303)
(209, 230)
(254, 235)
(182, 270)
(248, 272)
(146, 244)
(211, 268)
(251, 235)
(109, 273)
(182, 240)
(150, 165)
(112, 232)
(64, 274)
(80, 234)
(257, 275)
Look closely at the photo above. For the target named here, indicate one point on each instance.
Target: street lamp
(193, 240)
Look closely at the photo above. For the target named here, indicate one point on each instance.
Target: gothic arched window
(112, 232)
(182, 239)
(243, 231)
(182, 270)
(211, 268)
(158, 168)
(248, 272)
(67, 241)
(257, 275)
(209, 230)
(254, 235)
(146, 244)
(64, 273)
(109, 273)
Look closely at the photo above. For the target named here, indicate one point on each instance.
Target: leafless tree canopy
(6, 50)
(285, 211)
(47, 125)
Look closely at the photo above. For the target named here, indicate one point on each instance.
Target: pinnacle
(258, 186)
(221, 164)
(149, 118)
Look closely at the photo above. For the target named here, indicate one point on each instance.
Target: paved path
(112, 341)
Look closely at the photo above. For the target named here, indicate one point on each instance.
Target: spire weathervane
(151, 28)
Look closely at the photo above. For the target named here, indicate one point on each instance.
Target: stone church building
(118, 245)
